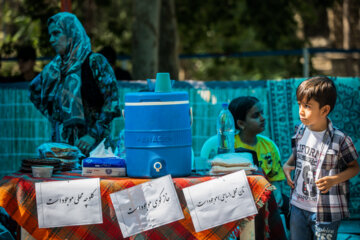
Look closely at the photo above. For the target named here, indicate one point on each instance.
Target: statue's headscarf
(61, 78)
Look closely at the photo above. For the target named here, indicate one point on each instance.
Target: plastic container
(120, 145)
(42, 171)
(225, 130)
(157, 134)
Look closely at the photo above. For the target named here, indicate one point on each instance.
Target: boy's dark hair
(26, 53)
(240, 106)
(322, 89)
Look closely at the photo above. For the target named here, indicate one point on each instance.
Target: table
(17, 196)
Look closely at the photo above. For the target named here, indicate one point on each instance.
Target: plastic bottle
(225, 130)
(120, 146)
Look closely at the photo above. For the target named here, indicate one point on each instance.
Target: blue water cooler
(157, 134)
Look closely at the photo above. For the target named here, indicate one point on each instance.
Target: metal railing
(305, 52)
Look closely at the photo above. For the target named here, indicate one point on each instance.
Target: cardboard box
(112, 167)
(109, 172)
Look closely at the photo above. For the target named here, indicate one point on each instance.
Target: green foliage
(25, 22)
(226, 26)
(112, 23)
(28, 23)
(233, 26)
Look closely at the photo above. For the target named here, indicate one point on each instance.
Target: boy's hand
(324, 184)
(287, 170)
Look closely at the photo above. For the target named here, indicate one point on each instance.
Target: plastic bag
(59, 150)
(68, 154)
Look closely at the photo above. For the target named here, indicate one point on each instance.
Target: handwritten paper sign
(68, 203)
(219, 201)
(147, 206)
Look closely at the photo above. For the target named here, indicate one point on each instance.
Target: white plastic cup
(42, 171)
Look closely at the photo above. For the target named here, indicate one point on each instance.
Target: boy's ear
(240, 124)
(325, 110)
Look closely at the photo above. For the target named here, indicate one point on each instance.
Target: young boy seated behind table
(324, 159)
(250, 121)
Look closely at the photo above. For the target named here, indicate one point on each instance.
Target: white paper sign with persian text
(68, 203)
(147, 206)
(219, 201)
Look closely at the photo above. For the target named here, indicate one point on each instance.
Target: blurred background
(231, 40)
(218, 50)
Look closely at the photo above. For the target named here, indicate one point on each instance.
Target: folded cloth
(223, 164)
(243, 159)
(222, 170)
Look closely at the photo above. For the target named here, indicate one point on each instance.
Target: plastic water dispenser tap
(158, 168)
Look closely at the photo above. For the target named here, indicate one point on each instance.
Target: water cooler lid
(156, 97)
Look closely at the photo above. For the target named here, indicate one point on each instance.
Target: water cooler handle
(191, 116)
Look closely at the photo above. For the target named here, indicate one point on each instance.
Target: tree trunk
(168, 49)
(89, 9)
(145, 33)
(346, 37)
